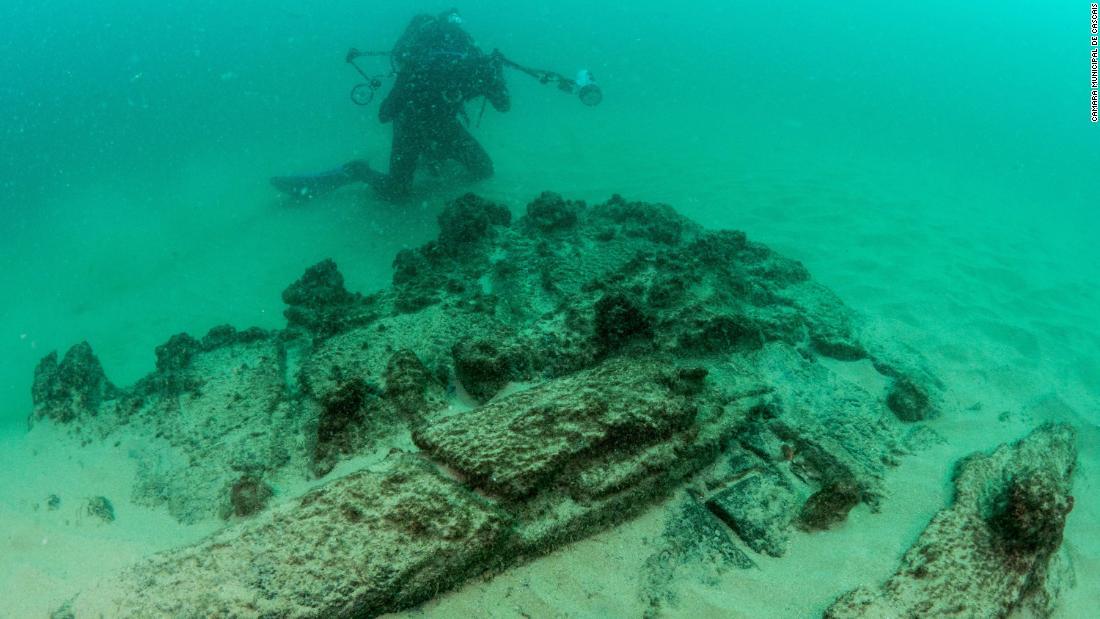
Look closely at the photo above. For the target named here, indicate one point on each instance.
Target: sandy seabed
(994, 308)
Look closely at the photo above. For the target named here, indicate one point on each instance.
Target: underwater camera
(587, 89)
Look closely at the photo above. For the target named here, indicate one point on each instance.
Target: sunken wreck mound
(532, 382)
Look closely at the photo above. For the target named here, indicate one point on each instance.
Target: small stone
(100, 507)
(829, 505)
(908, 401)
(249, 496)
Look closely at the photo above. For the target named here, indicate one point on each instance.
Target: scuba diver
(438, 69)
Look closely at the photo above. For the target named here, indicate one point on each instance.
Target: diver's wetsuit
(439, 69)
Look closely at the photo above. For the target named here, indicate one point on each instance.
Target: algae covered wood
(359, 546)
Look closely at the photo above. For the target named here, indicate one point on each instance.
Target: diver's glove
(495, 88)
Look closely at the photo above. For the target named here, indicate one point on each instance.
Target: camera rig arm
(584, 86)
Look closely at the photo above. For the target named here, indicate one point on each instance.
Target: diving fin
(309, 186)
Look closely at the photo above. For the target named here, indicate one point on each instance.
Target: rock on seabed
(990, 552)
